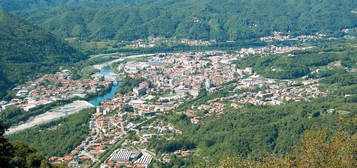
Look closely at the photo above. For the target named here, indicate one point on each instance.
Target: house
(67, 158)
(22, 93)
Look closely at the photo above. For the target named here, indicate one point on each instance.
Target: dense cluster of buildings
(157, 41)
(268, 50)
(110, 127)
(170, 80)
(182, 73)
(261, 91)
(174, 78)
(278, 36)
(53, 87)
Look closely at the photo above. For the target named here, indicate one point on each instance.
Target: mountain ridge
(26, 50)
(205, 20)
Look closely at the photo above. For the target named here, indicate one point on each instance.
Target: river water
(66, 109)
(96, 101)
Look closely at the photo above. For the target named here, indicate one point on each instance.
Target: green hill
(26, 50)
(195, 19)
(25, 4)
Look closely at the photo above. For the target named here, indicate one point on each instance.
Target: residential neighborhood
(124, 124)
(53, 87)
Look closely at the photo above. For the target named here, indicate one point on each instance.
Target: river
(66, 109)
(105, 71)
(96, 101)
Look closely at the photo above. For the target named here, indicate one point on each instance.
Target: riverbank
(96, 101)
(51, 115)
(107, 93)
(58, 137)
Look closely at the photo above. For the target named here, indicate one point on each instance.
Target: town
(123, 126)
(53, 87)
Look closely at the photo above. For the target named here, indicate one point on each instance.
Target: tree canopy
(198, 19)
(19, 155)
(26, 51)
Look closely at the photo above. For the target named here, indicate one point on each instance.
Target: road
(115, 146)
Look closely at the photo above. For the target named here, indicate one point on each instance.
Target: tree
(19, 155)
(27, 157)
(6, 150)
(128, 108)
(319, 148)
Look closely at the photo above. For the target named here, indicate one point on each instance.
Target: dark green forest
(18, 154)
(26, 50)
(194, 19)
(23, 4)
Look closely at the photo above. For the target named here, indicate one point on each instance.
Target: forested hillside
(26, 50)
(197, 19)
(25, 4)
(17, 154)
(319, 148)
(48, 138)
